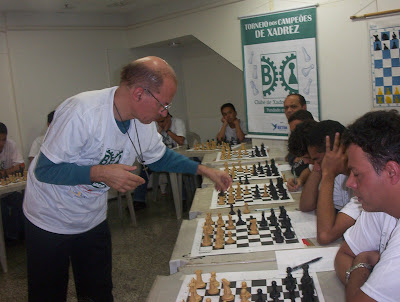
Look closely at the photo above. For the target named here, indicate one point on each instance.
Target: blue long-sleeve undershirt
(70, 174)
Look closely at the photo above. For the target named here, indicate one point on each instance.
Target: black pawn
(278, 235)
(246, 180)
(264, 222)
(274, 294)
(283, 212)
(240, 220)
(260, 296)
(240, 180)
(263, 153)
(254, 170)
(232, 212)
(289, 234)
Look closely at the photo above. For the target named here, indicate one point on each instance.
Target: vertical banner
(385, 61)
(279, 58)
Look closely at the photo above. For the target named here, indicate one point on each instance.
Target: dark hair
(297, 143)
(301, 115)
(139, 72)
(3, 129)
(377, 133)
(302, 100)
(316, 137)
(50, 117)
(228, 105)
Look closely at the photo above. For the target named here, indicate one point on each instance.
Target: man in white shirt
(11, 160)
(368, 262)
(90, 147)
(232, 129)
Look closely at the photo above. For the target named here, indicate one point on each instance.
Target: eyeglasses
(165, 107)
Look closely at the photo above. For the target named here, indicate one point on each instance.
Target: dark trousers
(49, 256)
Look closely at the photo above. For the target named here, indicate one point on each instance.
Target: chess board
(250, 198)
(250, 155)
(385, 59)
(262, 171)
(233, 147)
(244, 241)
(255, 280)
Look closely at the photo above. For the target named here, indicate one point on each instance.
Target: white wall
(210, 81)
(343, 52)
(48, 66)
(43, 64)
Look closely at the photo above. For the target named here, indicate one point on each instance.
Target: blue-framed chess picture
(385, 62)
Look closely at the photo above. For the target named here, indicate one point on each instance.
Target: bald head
(148, 72)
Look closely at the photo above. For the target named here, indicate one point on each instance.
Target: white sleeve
(35, 148)
(243, 126)
(365, 234)
(156, 148)
(383, 283)
(66, 137)
(353, 208)
(180, 129)
(341, 195)
(16, 155)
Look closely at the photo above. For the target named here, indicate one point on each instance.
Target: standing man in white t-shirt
(89, 148)
(368, 262)
(11, 160)
(232, 129)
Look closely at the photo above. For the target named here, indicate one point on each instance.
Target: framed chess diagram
(385, 61)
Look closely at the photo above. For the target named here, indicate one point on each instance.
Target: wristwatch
(359, 265)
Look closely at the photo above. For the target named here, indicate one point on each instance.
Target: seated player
(299, 168)
(293, 103)
(368, 261)
(325, 188)
(330, 224)
(11, 160)
(232, 129)
(172, 130)
(35, 148)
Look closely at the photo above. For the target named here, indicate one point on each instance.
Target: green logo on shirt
(111, 157)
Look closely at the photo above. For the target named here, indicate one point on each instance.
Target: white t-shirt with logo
(377, 231)
(231, 132)
(178, 127)
(10, 156)
(84, 132)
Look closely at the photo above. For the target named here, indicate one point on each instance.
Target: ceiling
(103, 6)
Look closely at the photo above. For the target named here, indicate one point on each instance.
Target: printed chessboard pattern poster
(279, 58)
(385, 61)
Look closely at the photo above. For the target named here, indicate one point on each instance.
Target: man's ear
(393, 170)
(137, 93)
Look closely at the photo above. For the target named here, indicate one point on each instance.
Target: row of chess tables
(182, 264)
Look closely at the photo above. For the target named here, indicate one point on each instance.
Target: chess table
(181, 255)
(166, 288)
(12, 187)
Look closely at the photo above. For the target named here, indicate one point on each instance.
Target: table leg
(3, 256)
(176, 185)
